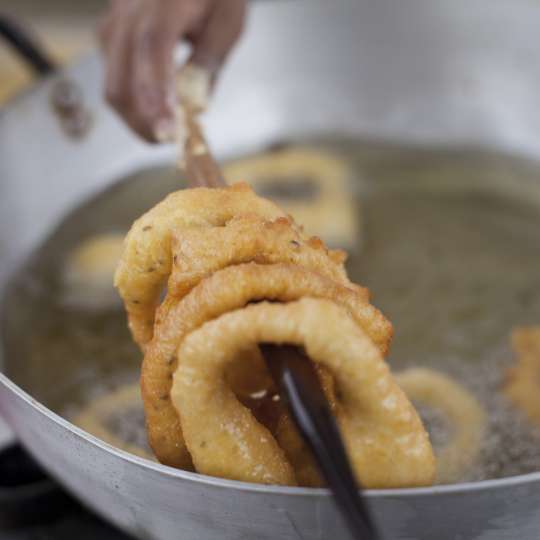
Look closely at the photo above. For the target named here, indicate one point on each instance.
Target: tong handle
(26, 45)
(201, 168)
(300, 385)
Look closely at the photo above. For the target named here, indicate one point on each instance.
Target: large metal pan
(465, 72)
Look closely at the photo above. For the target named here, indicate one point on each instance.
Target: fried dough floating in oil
(102, 413)
(146, 262)
(310, 184)
(87, 276)
(522, 385)
(466, 418)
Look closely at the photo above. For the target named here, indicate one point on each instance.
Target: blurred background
(66, 27)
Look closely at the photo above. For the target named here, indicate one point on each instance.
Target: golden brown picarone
(96, 417)
(467, 419)
(147, 259)
(386, 442)
(237, 272)
(311, 184)
(522, 385)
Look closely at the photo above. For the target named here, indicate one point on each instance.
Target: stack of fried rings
(224, 255)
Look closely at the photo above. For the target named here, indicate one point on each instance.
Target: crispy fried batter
(384, 436)
(147, 258)
(219, 251)
(227, 290)
(522, 385)
(247, 238)
(459, 407)
(309, 183)
(298, 454)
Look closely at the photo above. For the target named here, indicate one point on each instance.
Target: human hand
(138, 39)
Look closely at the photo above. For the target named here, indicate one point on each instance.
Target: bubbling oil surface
(450, 251)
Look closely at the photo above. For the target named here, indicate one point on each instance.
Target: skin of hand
(138, 39)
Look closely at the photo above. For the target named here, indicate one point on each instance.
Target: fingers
(138, 39)
(152, 67)
(215, 39)
(116, 39)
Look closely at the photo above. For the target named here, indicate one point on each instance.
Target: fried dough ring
(463, 411)
(226, 290)
(327, 210)
(247, 238)
(305, 468)
(384, 436)
(87, 274)
(522, 385)
(93, 418)
(147, 260)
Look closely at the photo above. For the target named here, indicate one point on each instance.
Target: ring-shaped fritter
(385, 439)
(146, 262)
(460, 409)
(87, 274)
(311, 184)
(198, 252)
(227, 290)
(522, 385)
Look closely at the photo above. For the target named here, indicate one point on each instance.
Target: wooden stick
(202, 169)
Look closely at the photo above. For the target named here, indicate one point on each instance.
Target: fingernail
(164, 130)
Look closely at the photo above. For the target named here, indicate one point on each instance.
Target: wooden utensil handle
(201, 168)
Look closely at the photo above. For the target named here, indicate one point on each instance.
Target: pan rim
(222, 483)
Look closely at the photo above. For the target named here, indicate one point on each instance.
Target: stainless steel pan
(460, 73)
